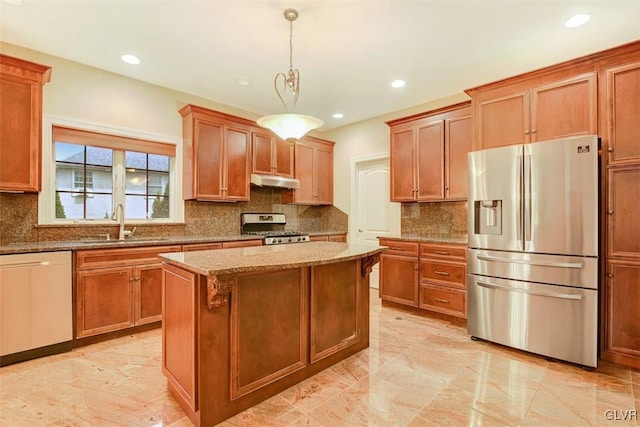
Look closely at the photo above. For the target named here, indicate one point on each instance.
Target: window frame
(46, 198)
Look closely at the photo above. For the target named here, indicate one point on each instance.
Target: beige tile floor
(417, 372)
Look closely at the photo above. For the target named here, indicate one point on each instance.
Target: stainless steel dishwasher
(35, 305)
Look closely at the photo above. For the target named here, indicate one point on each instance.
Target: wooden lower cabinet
(399, 272)
(118, 288)
(431, 277)
(622, 294)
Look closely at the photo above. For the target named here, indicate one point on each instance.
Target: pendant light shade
(289, 126)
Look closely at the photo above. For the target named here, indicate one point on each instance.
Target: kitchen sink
(128, 239)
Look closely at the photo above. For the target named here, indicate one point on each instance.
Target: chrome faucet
(122, 233)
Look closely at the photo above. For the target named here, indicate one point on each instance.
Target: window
(94, 172)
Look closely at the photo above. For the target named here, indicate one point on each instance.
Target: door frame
(353, 208)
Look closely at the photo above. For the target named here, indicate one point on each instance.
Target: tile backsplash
(19, 219)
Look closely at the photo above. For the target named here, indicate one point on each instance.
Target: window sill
(89, 223)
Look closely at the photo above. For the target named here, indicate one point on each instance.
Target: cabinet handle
(610, 275)
(610, 149)
(132, 279)
(441, 253)
(610, 212)
(415, 266)
(441, 273)
(444, 301)
(395, 248)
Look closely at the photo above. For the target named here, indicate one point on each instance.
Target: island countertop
(273, 257)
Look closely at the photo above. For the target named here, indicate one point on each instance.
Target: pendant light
(288, 125)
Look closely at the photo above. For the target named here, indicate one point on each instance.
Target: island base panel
(228, 372)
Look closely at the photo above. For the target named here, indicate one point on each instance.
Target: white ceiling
(347, 51)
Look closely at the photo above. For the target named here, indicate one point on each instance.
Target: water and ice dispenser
(487, 217)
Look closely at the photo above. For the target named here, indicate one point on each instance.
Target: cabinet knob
(446, 188)
(533, 131)
(610, 149)
(610, 275)
(359, 230)
(526, 132)
(610, 212)
(415, 266)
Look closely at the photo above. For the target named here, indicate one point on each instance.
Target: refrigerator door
(495, 202)
(561, 196)
(555, 321)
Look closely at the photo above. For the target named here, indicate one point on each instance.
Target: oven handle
(526, 291)
(526, 262)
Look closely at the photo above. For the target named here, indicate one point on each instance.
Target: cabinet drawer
(428, 250)
(447, 273)
(443, 300)
(398, 247)
(97, 258)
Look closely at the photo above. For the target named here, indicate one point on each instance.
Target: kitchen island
(241, 325)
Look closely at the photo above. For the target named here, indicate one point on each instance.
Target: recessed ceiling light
(130, 59)
(338, 115)
(243, 82)
(577, 20)
(398, 83)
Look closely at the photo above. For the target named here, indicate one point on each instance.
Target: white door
(374, 214)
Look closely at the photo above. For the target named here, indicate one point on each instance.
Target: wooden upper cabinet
(314, 169)
(216, 155)
(403, 184)
(622, 100)
(545, 107)
(429, 155)
(21, 85)
(430, 166)
(457, 144)
(503, 120)
(271, 155)
(565, 108)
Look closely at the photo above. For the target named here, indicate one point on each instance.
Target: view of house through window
(91, 181)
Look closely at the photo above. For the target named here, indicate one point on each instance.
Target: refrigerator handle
(530, 292)
(519, 202)
(527, 199)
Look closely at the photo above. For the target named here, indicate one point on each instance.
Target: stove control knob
(278, 240)
(299, 239)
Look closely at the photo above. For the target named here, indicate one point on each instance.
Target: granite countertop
(135, 241)
(275, 257)
(17, 248)
(460, 239)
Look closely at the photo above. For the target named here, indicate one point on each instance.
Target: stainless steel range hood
(274, 181)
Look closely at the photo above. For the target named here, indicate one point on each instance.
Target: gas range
(271, 227)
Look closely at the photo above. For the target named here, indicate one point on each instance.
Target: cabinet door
(236, 183)
(323, 174)
(503, 120)
(622, 328)
(430, 161)
(283, 158)
(623, 227)
(147, 293)
(402, 167)
(304, 173)
(399, 279)
(208, 149)
(104, 300)
(457, 144)
(622, 102)
(261, 146)
(21, 123)
(565, 108)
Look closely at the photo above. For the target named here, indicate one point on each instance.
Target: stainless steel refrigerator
(532, 264)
